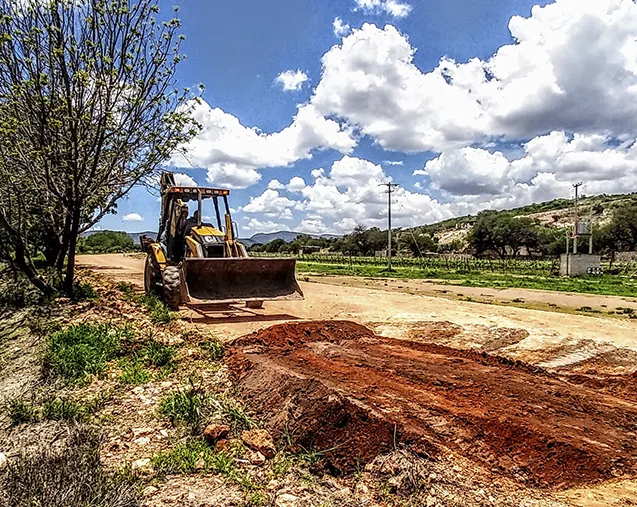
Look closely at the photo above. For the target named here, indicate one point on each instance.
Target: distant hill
(288, 236)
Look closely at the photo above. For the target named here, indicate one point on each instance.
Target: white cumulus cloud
(183, 180)
(340, 28)
(234, 154)
(133, 217)
(392, 7)
(291, 80)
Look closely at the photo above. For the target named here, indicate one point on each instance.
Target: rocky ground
(325, 415)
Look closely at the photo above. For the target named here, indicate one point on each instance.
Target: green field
(604, 284)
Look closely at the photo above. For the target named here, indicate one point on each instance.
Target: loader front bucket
(227, 280)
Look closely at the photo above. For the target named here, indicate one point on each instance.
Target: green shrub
(184, 406)
(21, 411)
(82, 350)
(134, 372)
(65, 409)
(83, 291)
(158, 354)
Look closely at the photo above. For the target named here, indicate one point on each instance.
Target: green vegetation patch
(159, 312)
(184, 406)
(602, 284)
(82, 350)
(54, 408)
(133, 372)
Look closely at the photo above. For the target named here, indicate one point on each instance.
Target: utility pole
(390, 188)
(576, 228)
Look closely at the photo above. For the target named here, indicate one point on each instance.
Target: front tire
(172, 287)
(152, 277)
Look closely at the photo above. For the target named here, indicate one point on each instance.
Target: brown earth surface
(338, 386)
(543, 398)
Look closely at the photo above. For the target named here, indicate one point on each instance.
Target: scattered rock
(256, 458)
(200, 464)
(286, 500)
(3, 461)
(142, 441)
(141, 464)
(431, 501)
(150, 490)
(215, 432)
(223, 444)
(260, 440)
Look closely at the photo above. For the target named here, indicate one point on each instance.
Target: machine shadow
(231, 314)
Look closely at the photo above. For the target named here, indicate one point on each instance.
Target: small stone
(285, 500)
(431, 501)
(138, 390)
(142, 441)
(141, 464)
(433, 476)
(149, 490)
(222, 444)
(164, 433)
(260, 440)
(167, 383)
(200, 464)
(3, 461)
(215, 432)
(256, 458)
(394, 483)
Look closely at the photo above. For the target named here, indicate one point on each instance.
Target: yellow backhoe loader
(193, 262)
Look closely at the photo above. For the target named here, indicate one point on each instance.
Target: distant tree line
(498, 234)
(107, 242)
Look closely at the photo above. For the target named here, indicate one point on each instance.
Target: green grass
(21, 411)
(158, 354)
(82, 350)
(55, 408)
(133, 372)
(215, 348)
(234, 412)
(603, 284)
(159, 312)
(184, 406)
(196, 456)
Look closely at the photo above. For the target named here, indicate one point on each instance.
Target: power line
(390, 188)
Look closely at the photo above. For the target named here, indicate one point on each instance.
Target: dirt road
(551, 339)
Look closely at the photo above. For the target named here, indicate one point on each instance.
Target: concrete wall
(579, 264)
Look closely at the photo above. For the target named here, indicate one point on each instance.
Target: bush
(19, 294)
(82, 350)
(72, 475)
(159, 312)
(83, 291)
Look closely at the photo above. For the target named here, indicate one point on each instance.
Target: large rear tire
(172, 287)
(152, 277)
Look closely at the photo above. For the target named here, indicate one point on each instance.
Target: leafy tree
(503, 234)
(106, 241)
(417, 242)
(275, 245)
(88, 110)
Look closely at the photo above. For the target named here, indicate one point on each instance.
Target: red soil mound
(336, 387)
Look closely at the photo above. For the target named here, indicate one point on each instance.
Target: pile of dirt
(336, 387)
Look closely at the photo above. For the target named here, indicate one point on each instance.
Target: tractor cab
(182, 235)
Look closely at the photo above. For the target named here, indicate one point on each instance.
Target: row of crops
(538, 267)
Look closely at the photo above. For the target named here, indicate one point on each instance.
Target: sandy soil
(554, 339)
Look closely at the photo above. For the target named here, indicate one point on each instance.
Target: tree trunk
(64, 246)
(72, 244)
(22, 261)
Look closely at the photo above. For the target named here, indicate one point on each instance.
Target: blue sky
(487, 152)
